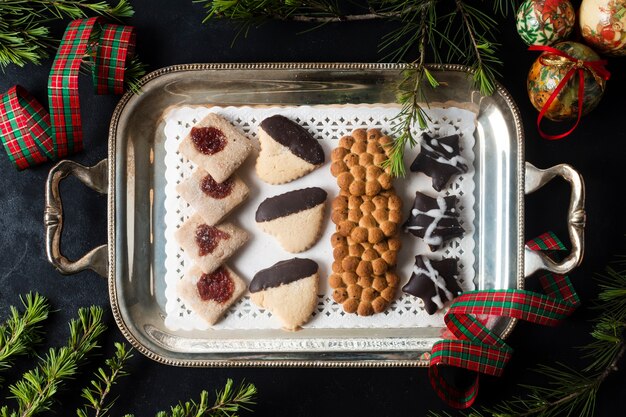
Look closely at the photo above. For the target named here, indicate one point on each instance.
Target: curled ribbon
(559, 58)
(473, 346)
(29, 134)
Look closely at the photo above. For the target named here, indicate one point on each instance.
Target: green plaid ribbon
(29, 134)
(476, 348)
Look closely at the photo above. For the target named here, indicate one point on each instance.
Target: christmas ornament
(603, 25)
(545, 22)
(554, 89)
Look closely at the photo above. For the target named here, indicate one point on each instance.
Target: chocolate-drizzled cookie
(435, 220)
(293, 218)
(288, 289)
(288, 151)
(434, 282)
(440, 159)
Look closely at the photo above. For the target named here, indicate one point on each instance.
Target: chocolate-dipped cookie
(288, 289)
(294, 218)
(440, 159)
(209, 246)
(435, 220)
(434, 282)
(210, 295)
(216, 146)
(288, 151)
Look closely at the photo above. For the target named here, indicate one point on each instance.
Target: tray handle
(537, 178)
(94, 177)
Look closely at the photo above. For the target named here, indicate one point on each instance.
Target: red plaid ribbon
(25, 127)
(27, 134)
(476, 348)
(577, 65)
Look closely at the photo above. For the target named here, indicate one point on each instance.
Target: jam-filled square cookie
(216, 146)
(209, 246)
(210, 295)
(212, 200)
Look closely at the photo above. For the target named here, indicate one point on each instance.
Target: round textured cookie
(365, 218)
(364, 295)
(356, 163)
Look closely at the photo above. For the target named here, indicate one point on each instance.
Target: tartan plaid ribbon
(474, 347)
(29, 134)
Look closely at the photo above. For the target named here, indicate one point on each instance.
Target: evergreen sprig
(452, 31)
(34, 392)
(22, 331)
(569, 391)
(228, 402)
(98, 392)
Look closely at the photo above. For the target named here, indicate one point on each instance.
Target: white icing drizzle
(455, 161)
(436, 214)
(437, 280)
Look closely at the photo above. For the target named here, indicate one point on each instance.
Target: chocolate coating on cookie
(289, 203)
(283, 272)
(294, 137)
(434, 282)
(435, 220)
(440, 159)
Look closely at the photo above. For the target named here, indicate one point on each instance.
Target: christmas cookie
(294, 218)
(209, 246)
(435, 220)
(366, 214)
(216, 146)
(434, 282)
(363, 277)
(356, 163)
(212, 200)
(288, 151)
(288, 289)
(440, 159)
(367, 219)
(210, 295)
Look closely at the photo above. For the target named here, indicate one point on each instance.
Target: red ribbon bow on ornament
(596, 68)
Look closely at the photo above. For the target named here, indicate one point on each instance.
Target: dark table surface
(171, 33)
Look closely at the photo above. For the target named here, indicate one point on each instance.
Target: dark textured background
(170, 32)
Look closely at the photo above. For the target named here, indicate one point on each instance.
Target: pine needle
(20, 333)
(34, 392)
(97, 393)
(228, 402)
(464, 35)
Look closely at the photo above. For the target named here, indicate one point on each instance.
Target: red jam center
(208, 140)
(208, 237)
(215, 189)
(216, 286)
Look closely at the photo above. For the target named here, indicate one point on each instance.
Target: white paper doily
(327, 124)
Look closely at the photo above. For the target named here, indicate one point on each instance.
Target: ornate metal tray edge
(124, 328)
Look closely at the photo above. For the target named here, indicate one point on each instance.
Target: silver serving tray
(133, 177)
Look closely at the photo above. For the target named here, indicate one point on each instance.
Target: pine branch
(97, 394)
(21, 332)
(227, 403)
(34, 392)
(466, 33)
(411, 95)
